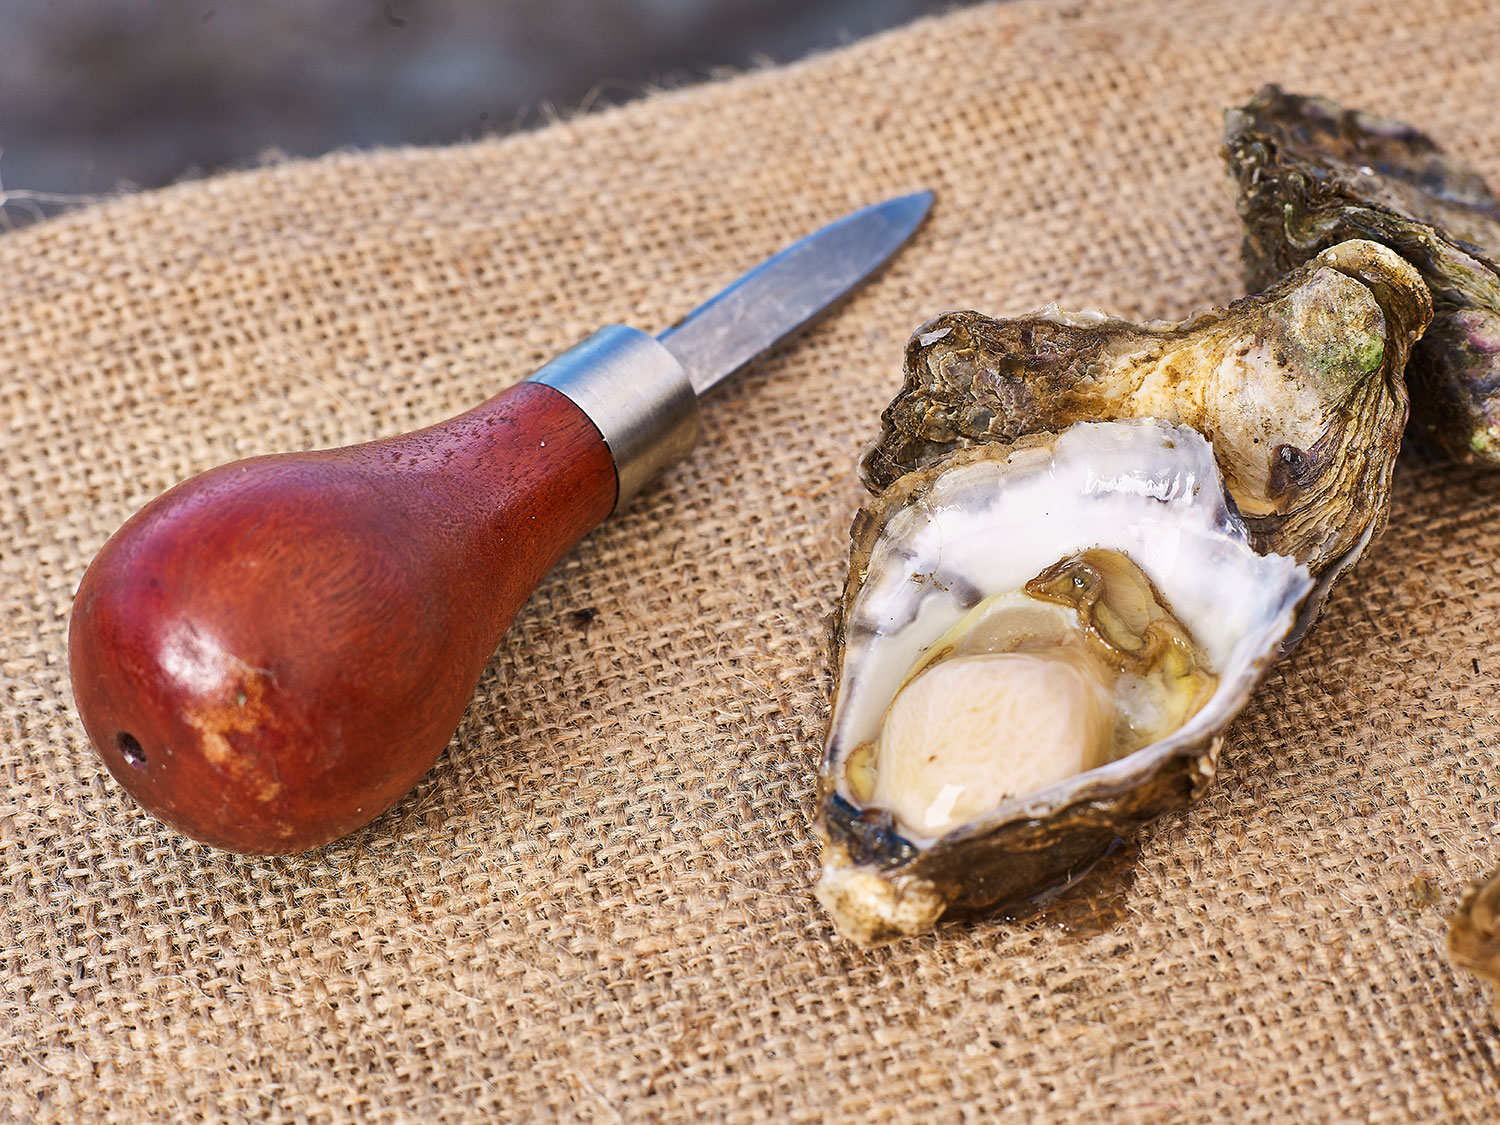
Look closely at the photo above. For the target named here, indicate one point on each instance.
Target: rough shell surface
(1310, 173)
(1299, 389)
(992, 517)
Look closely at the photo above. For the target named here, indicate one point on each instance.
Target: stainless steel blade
(787, 291)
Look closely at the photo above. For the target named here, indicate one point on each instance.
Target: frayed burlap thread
(598, 906)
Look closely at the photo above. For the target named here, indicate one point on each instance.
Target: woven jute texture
(598, 907)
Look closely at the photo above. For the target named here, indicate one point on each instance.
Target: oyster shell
(1053, 615)
(1298, 388)
(1474, 931)
(1310, 173)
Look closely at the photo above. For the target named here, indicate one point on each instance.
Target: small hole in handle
(130, 749)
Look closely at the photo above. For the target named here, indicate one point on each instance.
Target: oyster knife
(783, 293)
(271, 654)
(643, 393)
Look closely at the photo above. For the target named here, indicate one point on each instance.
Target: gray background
(96, 95)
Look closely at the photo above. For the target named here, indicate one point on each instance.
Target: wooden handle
(271, 654)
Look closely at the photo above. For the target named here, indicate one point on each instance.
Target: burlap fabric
(598, 906)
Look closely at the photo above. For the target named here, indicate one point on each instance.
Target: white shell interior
(1144, 487)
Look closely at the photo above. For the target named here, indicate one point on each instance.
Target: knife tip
(908, 210)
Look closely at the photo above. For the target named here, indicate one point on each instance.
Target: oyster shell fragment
(1310, 173)
(1298, 388)
(1035, 656)
(1474, 931)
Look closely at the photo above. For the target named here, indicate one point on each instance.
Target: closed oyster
(1311, 173)
(1298, 388)
(1474, 931)
(1035, 655)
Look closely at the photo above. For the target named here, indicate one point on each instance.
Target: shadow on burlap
(598, 906)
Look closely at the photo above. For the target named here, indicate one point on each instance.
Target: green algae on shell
(1310, 173)
(1299, 389)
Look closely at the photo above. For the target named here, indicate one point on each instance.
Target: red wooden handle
(271, 654)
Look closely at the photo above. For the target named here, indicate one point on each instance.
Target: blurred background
(103, 95)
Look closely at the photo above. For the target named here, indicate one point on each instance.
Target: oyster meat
(1310, 173)
(1035, 656)
(1299, 389)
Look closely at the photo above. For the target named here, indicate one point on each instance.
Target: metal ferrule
(639, 396)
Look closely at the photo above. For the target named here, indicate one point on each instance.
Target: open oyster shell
(1298, 388)
(1474, 931)
(1310, 174)
(973, 530)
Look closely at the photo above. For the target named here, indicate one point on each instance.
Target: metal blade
(785, 292)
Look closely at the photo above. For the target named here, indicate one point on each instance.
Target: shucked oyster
(1299, 389)
(1311, 173)
(1035, 656)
